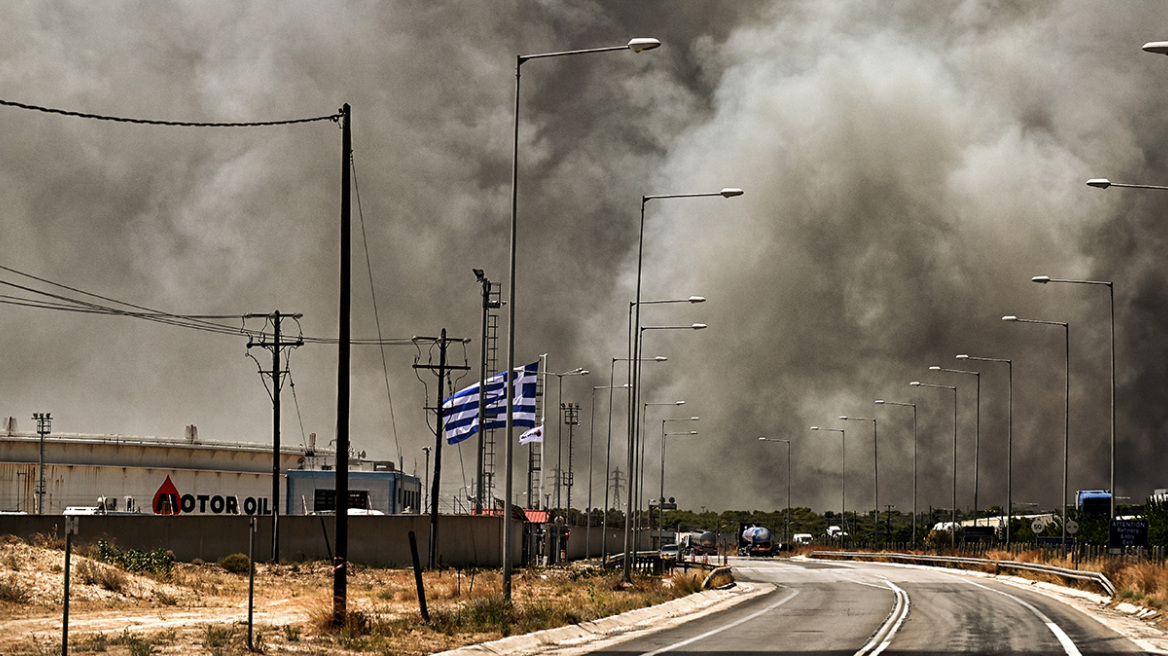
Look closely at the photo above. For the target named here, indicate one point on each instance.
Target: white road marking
(1064, 640)
(720, 629)
(883, 636)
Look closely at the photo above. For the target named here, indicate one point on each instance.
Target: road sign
(1072, 527)
(1128, 533)
(1038, 526)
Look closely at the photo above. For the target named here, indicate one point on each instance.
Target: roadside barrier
(1080, 575)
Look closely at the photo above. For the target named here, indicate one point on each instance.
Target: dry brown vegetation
(201, 609)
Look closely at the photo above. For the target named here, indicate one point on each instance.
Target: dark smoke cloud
(908, 167)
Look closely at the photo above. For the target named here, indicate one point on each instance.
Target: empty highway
(868, 608)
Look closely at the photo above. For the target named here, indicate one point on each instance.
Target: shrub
(236, 563)
(109, 578)
(159, 561)
(12, 591)
(215, 637)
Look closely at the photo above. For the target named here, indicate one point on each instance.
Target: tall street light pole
(843, 476)
(640, 477)
(875, 471)
(608, 450)
(976, 433)
(1009, 437)
(661, 499)
(634, 393)
(578, 371)
(636, 45)
(1066, 410)
(787, 534)
(635, 355)
(591, 436)
(914, 483)
(1111, 293)
(953, 512)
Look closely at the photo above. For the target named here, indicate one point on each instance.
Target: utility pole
(344, 350)
(278, 373)
(442, 368)
(571, 418)
(44, 427)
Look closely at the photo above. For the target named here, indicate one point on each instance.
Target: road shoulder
(589, 636)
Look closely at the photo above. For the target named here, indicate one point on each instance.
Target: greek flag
(460, 413)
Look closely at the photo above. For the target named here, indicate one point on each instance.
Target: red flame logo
(166, 499)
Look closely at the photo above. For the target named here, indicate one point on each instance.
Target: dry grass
(200, 609)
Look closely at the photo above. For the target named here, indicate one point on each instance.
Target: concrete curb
(654, 617)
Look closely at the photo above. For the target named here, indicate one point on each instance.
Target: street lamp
(634, 395)
(1009, 437)
(1103, 183)
(976, 433)
(661, 499)
(634, 363)
(1111, 293)
(608, 450)
(953, 511)
(787, 535)
(591, 436)
(578, 371)
(875, 471)
(639, 476)
(914, 485)
(843, 476)
(634, 360)
(636, 45)
(660, 509)
(1066, 411)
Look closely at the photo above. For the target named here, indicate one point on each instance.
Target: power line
(376, 314)
(202, 322)
(185, 124)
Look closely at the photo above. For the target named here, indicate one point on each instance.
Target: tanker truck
(701, 544)
(754, 541)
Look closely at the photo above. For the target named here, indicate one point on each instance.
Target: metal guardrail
(1098, 578)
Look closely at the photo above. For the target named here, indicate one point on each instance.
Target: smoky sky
(908, 167)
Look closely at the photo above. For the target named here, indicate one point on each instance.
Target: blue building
(380, 490)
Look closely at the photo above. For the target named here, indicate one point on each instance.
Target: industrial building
(114, 474)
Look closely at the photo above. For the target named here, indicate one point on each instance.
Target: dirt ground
(202, 608)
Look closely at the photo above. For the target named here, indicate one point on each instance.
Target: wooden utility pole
(442, 368)
(278, 374)
(344, 347)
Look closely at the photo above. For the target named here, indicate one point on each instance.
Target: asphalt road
(869, 608)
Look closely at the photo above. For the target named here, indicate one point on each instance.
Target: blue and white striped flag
(460, 413)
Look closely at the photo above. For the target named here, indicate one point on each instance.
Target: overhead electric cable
(376, 314)
(184, 124)
(203, 322)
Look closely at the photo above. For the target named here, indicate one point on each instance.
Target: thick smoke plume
(908, 168)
